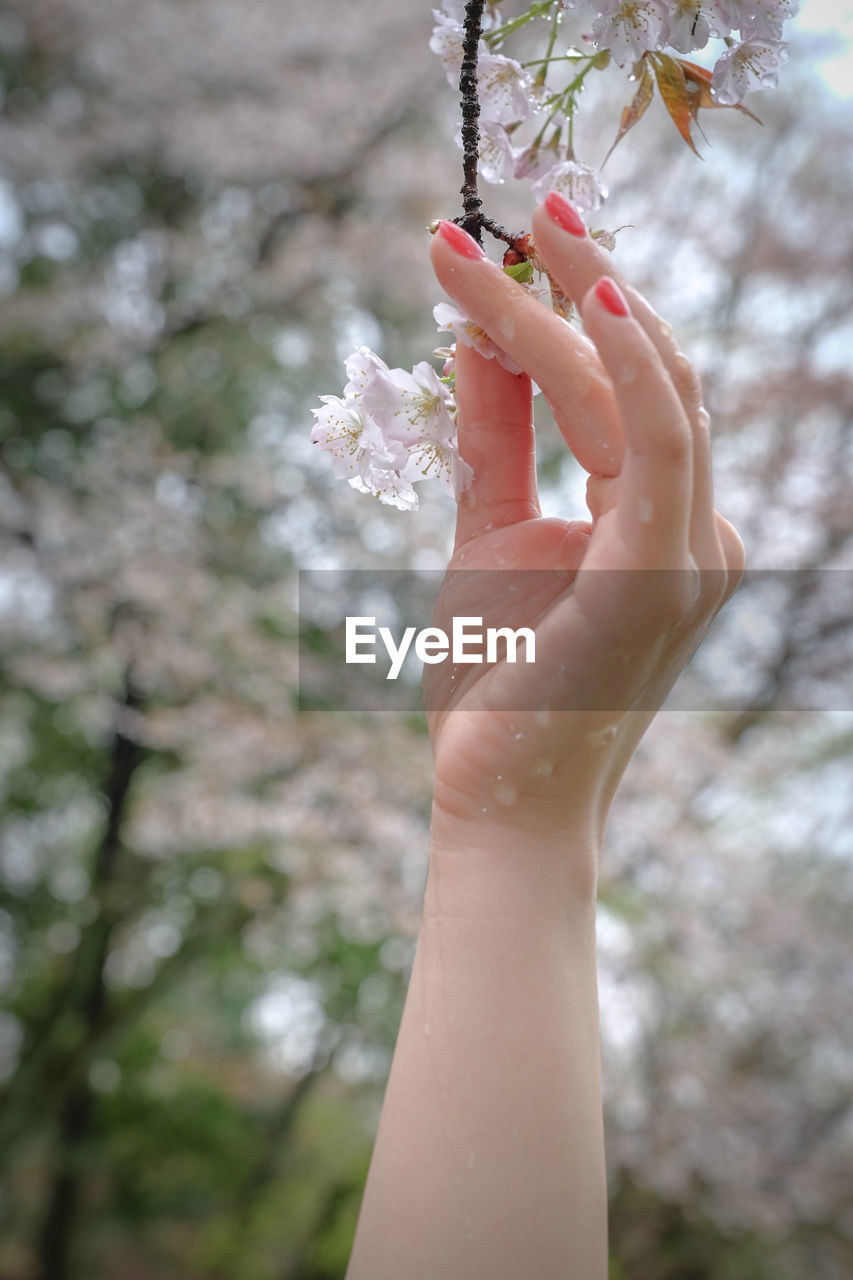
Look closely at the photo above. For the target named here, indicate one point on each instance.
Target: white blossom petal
(629, 27)
(450, 318)
(440, 458)
(534, 161)
(577, 182)
(688, 26)
(765, 19)
(390, 487)
(353, 439)
(753, 64)
(497, 158)
(447, 40)
(360, 368)
(723, 16)
(408, 406)
(504, 88)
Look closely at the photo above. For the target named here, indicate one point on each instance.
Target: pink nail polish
(564, 214)
(611, 297)
(459, 240)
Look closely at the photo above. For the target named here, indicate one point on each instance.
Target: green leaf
(520, 271)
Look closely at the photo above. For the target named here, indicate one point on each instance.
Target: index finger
(560, 360)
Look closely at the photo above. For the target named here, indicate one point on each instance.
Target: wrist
(489, 866)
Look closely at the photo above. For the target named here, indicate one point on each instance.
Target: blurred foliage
(207, 899)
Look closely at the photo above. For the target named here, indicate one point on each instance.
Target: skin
(489, 1159)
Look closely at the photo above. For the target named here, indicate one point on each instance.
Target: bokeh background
(208, 900)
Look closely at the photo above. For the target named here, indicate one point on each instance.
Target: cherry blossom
(390, 487)
(723, 16)
(353, 439)
(448, 35)
(754, 64)
(535, 160)
(688, 26)
(451, 319)
(505, 90)
(360, 367)
(497, 157)
(409, 405)
(764, 19)
(446, 40)
(629, 27)
(391, 429)
(438, 455)
(577, 182)
(418, 410)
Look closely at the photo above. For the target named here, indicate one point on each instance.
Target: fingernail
(564, 214)
(611, 297)
(459, 240)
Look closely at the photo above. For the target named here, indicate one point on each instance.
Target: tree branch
(473, 219)
(471, 203)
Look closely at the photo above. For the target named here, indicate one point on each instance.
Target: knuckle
(686, 381)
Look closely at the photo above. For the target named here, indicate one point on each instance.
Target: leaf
(631, 114)
(672, 83)
(520, 271)
(699, 90)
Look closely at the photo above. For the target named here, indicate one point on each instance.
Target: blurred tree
(207, 899)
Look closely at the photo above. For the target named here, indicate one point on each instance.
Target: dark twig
(473, 219)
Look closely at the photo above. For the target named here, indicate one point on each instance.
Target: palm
(617, 604)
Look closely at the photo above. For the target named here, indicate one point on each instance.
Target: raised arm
(489, 1160)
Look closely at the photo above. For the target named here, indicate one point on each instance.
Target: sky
(834, 20)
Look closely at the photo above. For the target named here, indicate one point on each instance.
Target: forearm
(489, 1159)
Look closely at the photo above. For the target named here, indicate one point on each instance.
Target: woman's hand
(489, 1160)
(626, 597)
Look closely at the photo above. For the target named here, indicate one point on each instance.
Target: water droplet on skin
(608, 733)
(583, 382)
(505, 794)
(645, 510)
(703, 418)
(544, 768)
(627, 373)
(518, 736)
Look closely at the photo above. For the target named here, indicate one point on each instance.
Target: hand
(611, 637)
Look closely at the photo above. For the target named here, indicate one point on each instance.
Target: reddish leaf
(699, 90)
(673, 89)
(638, 104)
